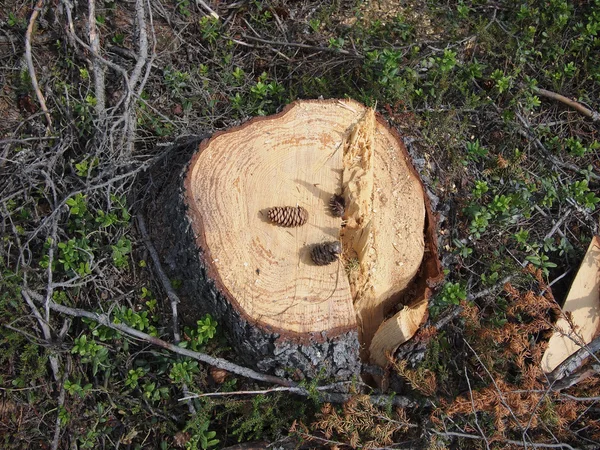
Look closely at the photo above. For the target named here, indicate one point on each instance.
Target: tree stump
(282, 311)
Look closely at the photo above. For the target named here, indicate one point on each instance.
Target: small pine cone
(323, 254)
(288, 216)
(337, 204)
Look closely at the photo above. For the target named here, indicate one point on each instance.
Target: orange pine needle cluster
(359, 423)
(525, 403)
(422, 380)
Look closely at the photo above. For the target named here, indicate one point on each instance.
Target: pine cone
(337, 204)
(323, 254)
(288, 216)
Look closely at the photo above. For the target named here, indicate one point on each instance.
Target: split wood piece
(385, 217)
(396, 331)
(583, 309)
(281, 310)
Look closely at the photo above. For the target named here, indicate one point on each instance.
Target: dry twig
(170, 293)
(501, 396)
(306, 46)
(595, 116)
(61, 402)
(29, 59)
(487, 444)
(104, 319)
(293, 390)
(162, 277)
(98, 69)
(507, 441)
(45, 327)
(207, 8)
(527, 133)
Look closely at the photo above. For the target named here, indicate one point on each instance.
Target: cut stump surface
(304, 156)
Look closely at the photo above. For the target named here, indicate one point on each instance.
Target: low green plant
(451, 294)
(75, 387)
(184, 371)
(503, 82)
(541, 261)
(120, 252)
(475, 151)
(90, 352)
(210, 29)
(195, 338)
(201, 437)
(583, 195)
(462, 249)
(133, 377)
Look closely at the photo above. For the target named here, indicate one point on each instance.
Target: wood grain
(298, 158)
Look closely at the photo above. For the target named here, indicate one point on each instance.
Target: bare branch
(29, 59)
(595, 116)
(507, 441)
(172, 296)
(487, 444)
(50, 285)
(140, 11)
(527, 133)
(104, 319)
(45, 327)
(573, 362)
(306, 46)
(98, 69)
(208, 9)
(500, 394)
(162, 277)
(293, 390)
(61, 402)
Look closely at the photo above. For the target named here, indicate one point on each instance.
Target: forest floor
(497, 102)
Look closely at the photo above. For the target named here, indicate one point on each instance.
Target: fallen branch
(455, 312)
(49, 271)
(576, 378)
(507, 441)
(574, 362)
(501, 396)
(29, 60)
(595, 116)
(129, 118)
(104, 319)
(306, 46)
(45, 327)
(68, 6)
(527, 133)
(162, 277)
(98, 69)
(61, 402)
(474, 409)
(172, 296)
(208, 9)
(294, 390)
